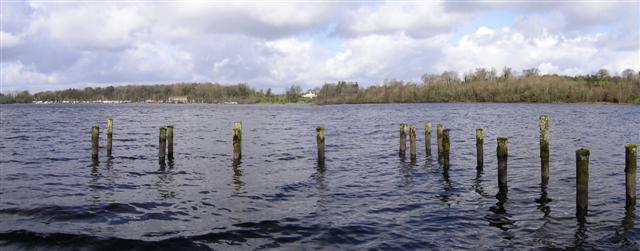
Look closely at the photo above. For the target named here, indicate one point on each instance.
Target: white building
(309, 95)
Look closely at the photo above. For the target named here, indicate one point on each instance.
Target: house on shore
(178, 99)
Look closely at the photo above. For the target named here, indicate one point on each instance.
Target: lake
(365, 197)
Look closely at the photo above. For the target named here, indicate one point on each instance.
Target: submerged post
(162, 144)
(479, 148)
(237, 141)
(582, 182)
(170, 142)
(439, 129)
(320, 143)
(630, 165)
(412, 142)
(95, 134)
(109, 135)
(403, 139)
(446, 146)
(503, 155)
(427, 138)
(544, 149)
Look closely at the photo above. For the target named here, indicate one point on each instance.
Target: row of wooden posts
(443, 143)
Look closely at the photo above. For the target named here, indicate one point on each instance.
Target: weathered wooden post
(237, 141)
(503, 156)
(544, 149)
(170, 142)
(412, 142)
(427, 138)
(162, 144)
(109, 135)
(320, 144)
(439, 129)
(479, 148)
(582, 182)
(95, 135)
(403, 139)
(630, 165)
(446, 146)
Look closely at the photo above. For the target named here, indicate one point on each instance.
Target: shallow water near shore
(365, 197)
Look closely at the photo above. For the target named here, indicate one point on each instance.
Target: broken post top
(109, 125)
(163, 131)
(632, 148)
(502, 147)
(582, 154)
(169, 127)
(320, 131)
(95, 127)
(427, 125)
(479, 133)
(440, 127)
(237, 130)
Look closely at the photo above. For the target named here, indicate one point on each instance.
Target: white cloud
(16, 76)
(415, 19)
(8, 40)
(551, 53)
(279, 44)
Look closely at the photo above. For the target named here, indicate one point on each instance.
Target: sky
(48, 45)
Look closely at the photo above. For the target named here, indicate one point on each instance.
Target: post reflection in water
(478, 183)
(165, 180)
(543, 201)
(237, 175)
(629, 218)
(580, 236)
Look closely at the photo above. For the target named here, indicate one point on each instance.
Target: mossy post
(503, 155)
(237, 141)
(170, 142)
(427, 138)
(162, 144)
(320, 143)
(479, 148)
(95, 136)
(109, 136)
(630, 165)
(446, 146)
(439, 129)
(412, 142)
(403, 139)
(582, 182)
(544, 149)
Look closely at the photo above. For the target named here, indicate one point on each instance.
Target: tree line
(487, 85)
(480, 85)
(195, 92)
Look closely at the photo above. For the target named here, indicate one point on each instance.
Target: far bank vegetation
(481, 85)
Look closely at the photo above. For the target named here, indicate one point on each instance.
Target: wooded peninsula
(481, 85)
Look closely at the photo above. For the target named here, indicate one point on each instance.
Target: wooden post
(320, 143)
(237, 141)
(503, 155)
(446, 146)
(412, 142)
(170, 142)
(95, 135)
(544, 149)
(630, 165)
(109, 135)
(439, 129)
(582, 182)
(403, 139)
(479, 148)
(427, 138)
(162, 144)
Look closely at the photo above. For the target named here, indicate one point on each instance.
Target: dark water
(366, 197)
